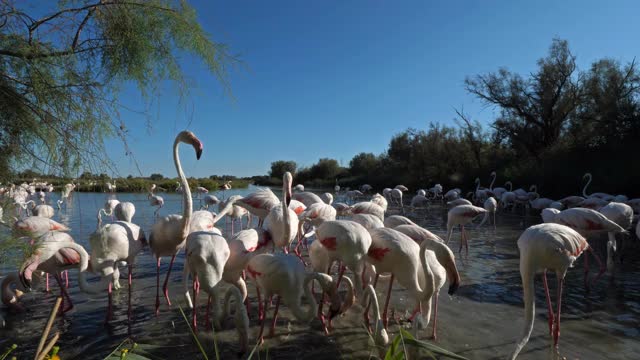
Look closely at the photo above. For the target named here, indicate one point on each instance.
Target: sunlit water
(481, 321)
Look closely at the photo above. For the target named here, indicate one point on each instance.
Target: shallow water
(481, 321)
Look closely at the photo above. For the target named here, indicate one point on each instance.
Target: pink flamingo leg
(342, 269)
(47, 281)
(129, 310)
(262, 321)
(64, 294)
(66, 279)
(466, 240)
(321, 305)
(110, 302)
(549, 307)
(196, 291)
(556, 333)
(385, 319)
(165, 288)
(232, 221)
(461, 239)
(272, 331)
(158, 287)
(586, 274)
(435, 317)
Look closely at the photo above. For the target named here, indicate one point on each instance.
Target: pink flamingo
(462, 215)
(168, 235)
(280, 224)
(368, 207)
(546, 247)
(259, 203)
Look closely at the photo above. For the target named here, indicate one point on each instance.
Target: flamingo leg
(129, 309)
(47, 282)
(466, 240)
(158, 287)
(232, 221)
(272, 331)
(321, 304)
(165, 288)
(603, 268)
(262, 321)
(64, 294)
(110, 302)
(342, 269)
(461, 239)
(556, 333)
(435, 317)
(366, 311)
(385, 319)
(66, 279)
(196, 291)
(549, 307)
(586, 274)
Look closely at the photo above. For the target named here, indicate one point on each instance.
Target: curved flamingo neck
(428, 290)
(584, 190)
(492, 181)
(187, 202)
(529, 310)
(286, 216)
(478, 186)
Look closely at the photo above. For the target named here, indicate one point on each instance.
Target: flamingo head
(493, 173)
(190, 138)
(586, 175)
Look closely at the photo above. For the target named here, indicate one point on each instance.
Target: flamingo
(54, 252)
(206, 255)
(298, 188)
(201, 191)
(571, 201)
(501, 190)
(210, 200)
(110, 244)
(397, 220)
(621, 214)
(546, 247)
(282, 222)
(125, 211)
(394, 252)
(491, 206)
(345, 241)
(396, 194)
(458, 202)
(36, 226)
(421, 192)
(297, 206)
(368, 207)
(480, 194)
(342, 209)
(327, 198)
(110, 206)
(586, 222)
(168, 235)
(236, 212)
(353, 194)
(386, 192)
(419, 201)
(224, 187)
(401, 188)
(43, 210)
(540, 203)
(284, 275)
(380, 200)
(316, 214)
(603, 196)
(259, 203)
(307, 198)
(155, 200)
(452, 194)
(444, 268)
(462, 215)
(366, 188)
(11, 290)
(368, 221)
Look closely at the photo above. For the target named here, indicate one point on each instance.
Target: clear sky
(335, 78)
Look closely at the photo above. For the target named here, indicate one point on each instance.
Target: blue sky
(335, 78)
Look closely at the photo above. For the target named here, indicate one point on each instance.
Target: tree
(325, 169)
(278, 168)
(534, 111)
(156, 177)
(363, 164)
(61, 73)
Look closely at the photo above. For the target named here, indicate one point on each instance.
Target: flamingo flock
(368, 237)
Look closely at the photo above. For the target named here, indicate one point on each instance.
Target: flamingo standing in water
(546, 247)
(462, 215)
(155, 200)
(380, 200)
(54, 253)
(368, 207)
(168, 235)
(259, 203)
(491, 205)
(284, 275)
(282, 222)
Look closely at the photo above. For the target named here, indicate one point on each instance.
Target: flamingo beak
(199, 152)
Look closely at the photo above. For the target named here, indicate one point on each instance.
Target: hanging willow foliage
(60, 74)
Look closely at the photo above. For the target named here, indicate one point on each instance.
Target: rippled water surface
(481, 321)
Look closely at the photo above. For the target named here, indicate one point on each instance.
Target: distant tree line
(553, 125)
(88, 181)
